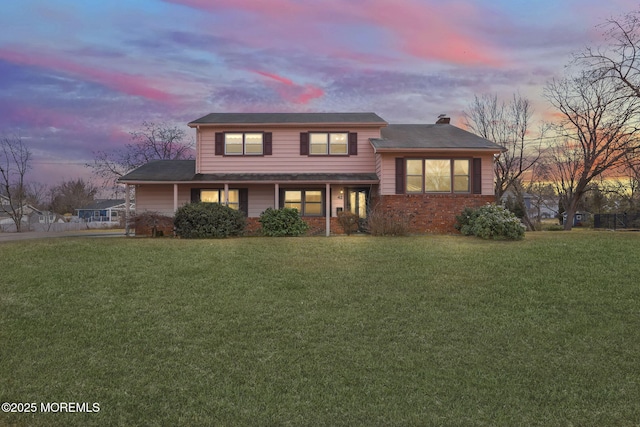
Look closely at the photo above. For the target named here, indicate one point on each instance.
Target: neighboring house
(6, 222)
(542, 207)
(109, 210)
(324, 163)
(46, 217)
(579, 218)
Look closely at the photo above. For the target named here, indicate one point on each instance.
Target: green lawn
(432, 330)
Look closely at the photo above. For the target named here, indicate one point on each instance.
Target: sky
(78, 76)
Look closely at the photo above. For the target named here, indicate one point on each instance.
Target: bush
(490, 222)
(348, 221)
(282, 222)
(382, 222)
(202, 220)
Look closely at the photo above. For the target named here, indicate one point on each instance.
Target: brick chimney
(443, 119)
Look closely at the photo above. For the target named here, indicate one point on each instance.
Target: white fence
(59, 226)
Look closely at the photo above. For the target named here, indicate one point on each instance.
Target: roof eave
(434, 150)
(290, 125)
(262, 181)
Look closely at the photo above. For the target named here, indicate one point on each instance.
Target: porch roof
(183, 171)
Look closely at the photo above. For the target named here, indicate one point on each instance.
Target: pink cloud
(125, 83)
(41, 118)
(432, 30)
(428, 30)
(275, 77)
(290, 91)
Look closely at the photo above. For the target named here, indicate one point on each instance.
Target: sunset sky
(78, 76)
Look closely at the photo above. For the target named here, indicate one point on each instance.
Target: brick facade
(316, 226)
(427, 213)
(430, 213)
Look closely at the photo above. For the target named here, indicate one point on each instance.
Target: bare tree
(597, 131)
(507, 124)
(618, 59)
(15, 160)
(155, 141)
(38, 195)
(68, 196)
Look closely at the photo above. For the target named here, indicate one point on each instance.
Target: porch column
(226, 195)
(175, 198)
(276, 197)
(327, 204)
(126, 209)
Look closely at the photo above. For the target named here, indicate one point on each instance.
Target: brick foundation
(430, 213)
(316, 226)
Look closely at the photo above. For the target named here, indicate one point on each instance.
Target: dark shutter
(267, 143)
(353, 144)
(304, 143)
(399, 175)
(219, 143)
(476, 182)
(195, 195)
(244, 200)
(281, 199)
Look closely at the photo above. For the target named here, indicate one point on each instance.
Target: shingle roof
(429, 137)
(162, 170)
(184, 171)
(289, 118)
(102, 204)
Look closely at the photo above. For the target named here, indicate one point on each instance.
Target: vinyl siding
(159, 198)
(286, 156)
(155, 198)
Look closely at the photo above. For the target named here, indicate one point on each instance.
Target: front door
(357, 203)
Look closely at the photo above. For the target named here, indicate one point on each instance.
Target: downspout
(328, 210)
(127, 201)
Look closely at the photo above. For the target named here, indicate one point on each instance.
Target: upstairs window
(328, 143)
(243, 143)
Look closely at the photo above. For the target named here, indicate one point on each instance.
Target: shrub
(156, 222)
(348, 221)
(282, 222)
(382, 222)
(202, 220)
(490, 222)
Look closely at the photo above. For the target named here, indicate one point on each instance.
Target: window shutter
(281, 198)
(219, 143)
(267, 143)
(243, 194)
(353, 144)
(477, 176)
(304, 143)
(195, 195)
(399, 175)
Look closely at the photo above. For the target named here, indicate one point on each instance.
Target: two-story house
(323, 163)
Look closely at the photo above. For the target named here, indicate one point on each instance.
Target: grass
(435, 330)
